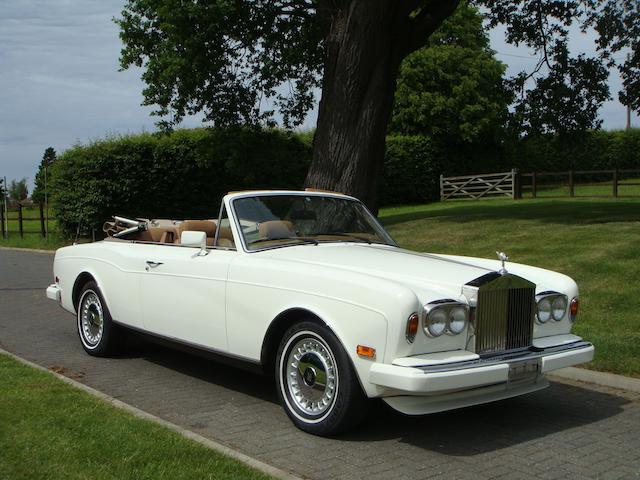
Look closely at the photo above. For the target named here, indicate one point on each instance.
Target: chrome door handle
(152, 264)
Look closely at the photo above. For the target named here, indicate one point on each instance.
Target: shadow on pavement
(497, 425)
(464, 432)
(232, 378)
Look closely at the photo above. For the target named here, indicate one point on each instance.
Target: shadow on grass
(548, 211)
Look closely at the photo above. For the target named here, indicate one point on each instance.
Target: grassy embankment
(49, 429)
(597, 242)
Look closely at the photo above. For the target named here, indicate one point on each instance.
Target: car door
(183, 294)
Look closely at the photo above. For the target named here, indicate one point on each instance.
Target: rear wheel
(98, 334)
(316, 383)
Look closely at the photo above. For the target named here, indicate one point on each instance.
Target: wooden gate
(479, 186)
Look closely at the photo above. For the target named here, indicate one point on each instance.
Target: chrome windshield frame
(238, 226)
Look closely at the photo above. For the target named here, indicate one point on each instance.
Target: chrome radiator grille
(504, 314)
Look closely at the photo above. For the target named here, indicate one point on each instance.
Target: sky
(60, 84)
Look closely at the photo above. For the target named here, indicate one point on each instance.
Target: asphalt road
(566, 431)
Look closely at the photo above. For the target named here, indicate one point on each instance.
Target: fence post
(615, 182)
(20, 220)
(2, 220)
(571, 189)
(441, 188)
(534, 186)
(516, 184)
(42, 229)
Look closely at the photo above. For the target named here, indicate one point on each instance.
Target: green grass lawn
(32, 234)
(51, 430)
(597, 242)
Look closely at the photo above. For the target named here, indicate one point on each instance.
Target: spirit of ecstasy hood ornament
(503, 258)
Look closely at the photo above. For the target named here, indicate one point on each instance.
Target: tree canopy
(258, 61)
(18, 190)
(48, 158)
(454, 87)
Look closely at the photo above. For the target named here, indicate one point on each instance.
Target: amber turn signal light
(412, 327)
(365, 351)
(573, 309)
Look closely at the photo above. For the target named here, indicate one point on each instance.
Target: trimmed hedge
(185, 174)
(180, 175)
(593, 150)
(411, 171)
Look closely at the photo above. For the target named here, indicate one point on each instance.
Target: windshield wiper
(301, 239)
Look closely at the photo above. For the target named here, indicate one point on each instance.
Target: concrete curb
(603, 379)
(218, 447)
(30, 250)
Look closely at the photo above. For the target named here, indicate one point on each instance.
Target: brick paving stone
(570, 430)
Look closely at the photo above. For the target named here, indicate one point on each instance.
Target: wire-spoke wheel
(316, 382)
(98, 334)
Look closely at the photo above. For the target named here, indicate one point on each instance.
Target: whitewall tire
(98, 334)
(316, 382)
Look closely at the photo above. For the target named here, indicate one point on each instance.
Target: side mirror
(190, 238)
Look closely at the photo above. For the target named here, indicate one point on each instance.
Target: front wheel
(316, 383)
(98, 334)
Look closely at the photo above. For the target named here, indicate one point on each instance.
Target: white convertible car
(307, 285)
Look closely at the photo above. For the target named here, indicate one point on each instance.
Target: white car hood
(419, 271)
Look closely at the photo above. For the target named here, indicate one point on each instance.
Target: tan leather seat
(225, 238)
(159, 235)
(206, 226)
(276, 229)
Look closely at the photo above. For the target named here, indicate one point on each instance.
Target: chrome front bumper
(508, 374)
(54, 292)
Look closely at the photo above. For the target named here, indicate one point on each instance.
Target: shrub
(180, 175)
(592, 150)
(411, 171)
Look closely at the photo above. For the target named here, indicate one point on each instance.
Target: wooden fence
(15, 221)
(571, 178)
(512, 184)
(479, 186)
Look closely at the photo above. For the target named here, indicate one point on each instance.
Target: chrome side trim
(505, 357)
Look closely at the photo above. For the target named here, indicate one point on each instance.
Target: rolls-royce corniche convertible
(309, 287)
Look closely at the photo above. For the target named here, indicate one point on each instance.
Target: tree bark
(365, 45)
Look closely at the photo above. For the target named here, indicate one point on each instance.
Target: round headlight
(559, 308)
(436, 322)
(457, 320)
(544, 310)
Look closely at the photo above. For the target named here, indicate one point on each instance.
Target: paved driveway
(566, 431)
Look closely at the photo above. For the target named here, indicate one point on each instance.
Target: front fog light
(559, 308)
(436, 322)
(458, 317)
(544, 310)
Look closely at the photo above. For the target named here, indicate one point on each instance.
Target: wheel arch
(80, 281)
(278, 326)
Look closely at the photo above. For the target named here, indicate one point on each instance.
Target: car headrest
(206, 226)
(276, 229)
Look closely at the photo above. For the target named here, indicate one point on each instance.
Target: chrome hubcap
(91, 319)
(311, 376)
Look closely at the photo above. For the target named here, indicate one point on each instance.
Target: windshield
(268, 221)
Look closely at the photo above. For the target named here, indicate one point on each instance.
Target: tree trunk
(365, 45)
